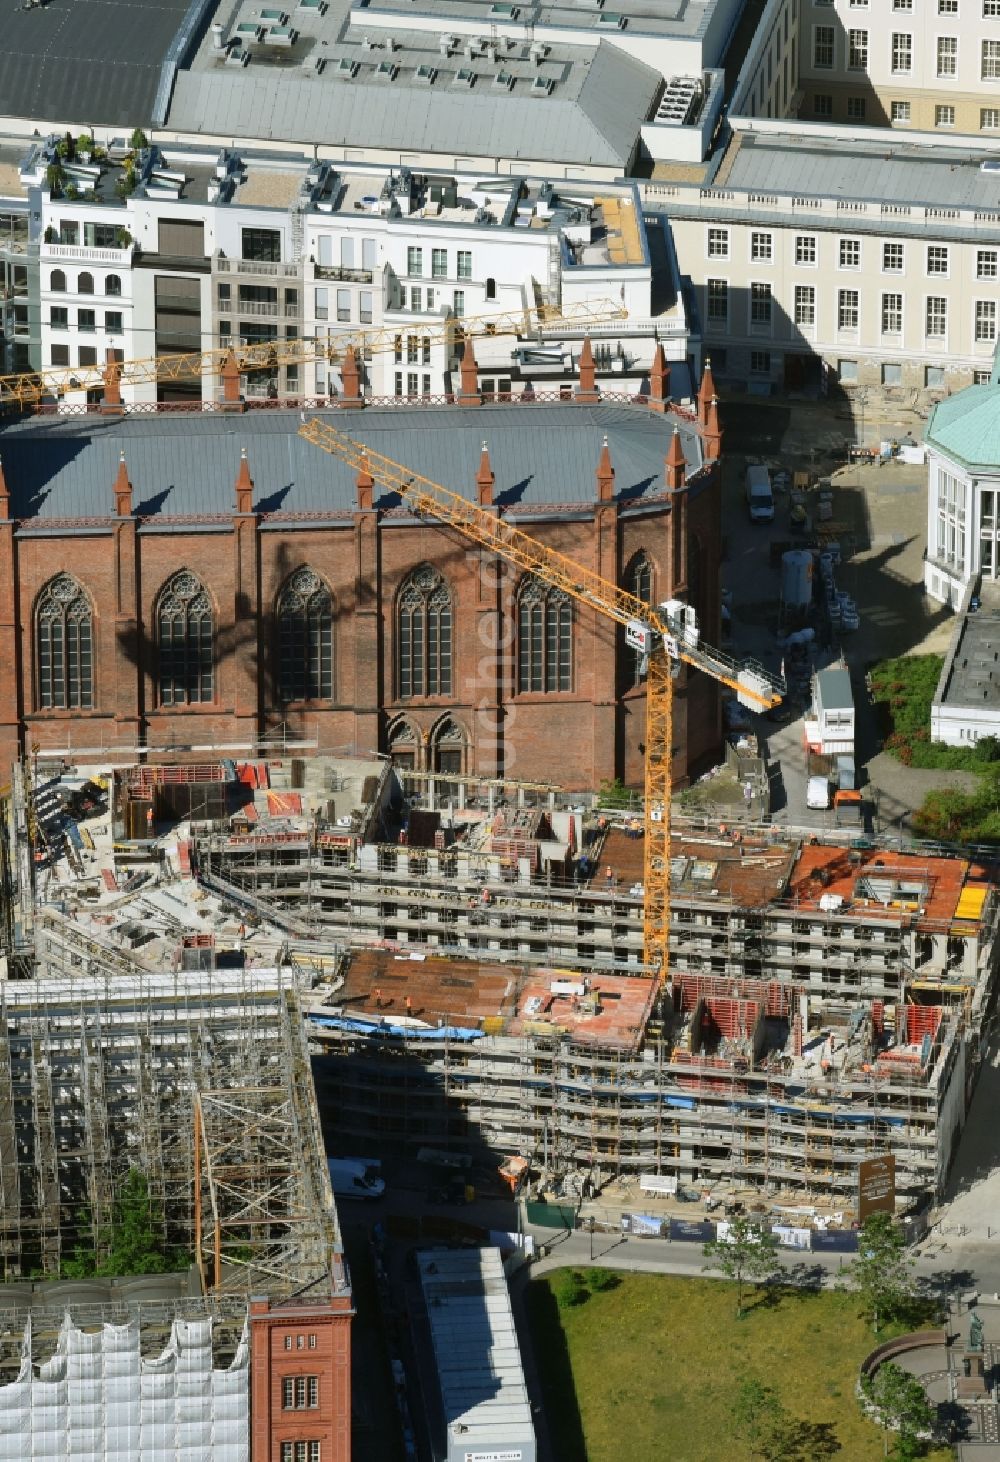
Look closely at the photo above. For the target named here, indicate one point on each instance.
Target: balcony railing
(345, 275)
(257, 266)
(83, 255)
(261, 307)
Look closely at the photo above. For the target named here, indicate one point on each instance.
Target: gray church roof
(185, 466)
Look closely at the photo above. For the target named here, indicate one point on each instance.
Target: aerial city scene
(499, 730)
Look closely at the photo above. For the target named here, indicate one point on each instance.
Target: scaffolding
(188, 1076)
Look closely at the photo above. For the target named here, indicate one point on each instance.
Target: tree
(138, 140)
(760, 1421)
(900, 1405)
(882, 1271)
(136, 1236)
(746, 1253)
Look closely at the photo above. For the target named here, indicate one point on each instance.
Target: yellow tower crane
(666, 635)
(30, 387)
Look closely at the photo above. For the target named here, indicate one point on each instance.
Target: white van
(818, 793)
(760, 498)
(350, 1177)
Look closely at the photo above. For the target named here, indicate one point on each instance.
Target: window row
(86, 320)
(421, 300)
(770, 363)
(299, 1393)
(848, 310)
(305, 613)
(301, 1452)
(439, 261)
(848, 253)
(990, 8)
(95, 235)
(85, 283)
(86, 355)
(900, 53)
(341, 301)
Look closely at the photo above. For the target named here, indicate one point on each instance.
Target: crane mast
(666, 635)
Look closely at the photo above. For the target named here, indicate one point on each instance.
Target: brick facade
(575, 737)
(300, 1386)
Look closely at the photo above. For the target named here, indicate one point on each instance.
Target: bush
(599, 1279)
(569, 1289)
(987, 749)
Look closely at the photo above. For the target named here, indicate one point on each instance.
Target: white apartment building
(211, 251)
(920, 64)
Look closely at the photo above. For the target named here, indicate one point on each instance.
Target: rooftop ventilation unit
(504, 12)
(611, 18)
(425, 75)
(237, 57)
(679, 101)
(367, 44)
(464, 76)
(387, 71)
(448, 44)
(391, 44)
(541, 85)
(347, 67)
(990, 166)
(503, 81)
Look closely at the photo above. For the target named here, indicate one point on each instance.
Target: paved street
(881, 514)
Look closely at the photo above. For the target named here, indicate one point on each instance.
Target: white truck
(353, 1177)
(760, 496)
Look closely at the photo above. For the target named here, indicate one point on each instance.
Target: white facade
(394, 262)
(882, 295)
(909, 63)
(962, 527)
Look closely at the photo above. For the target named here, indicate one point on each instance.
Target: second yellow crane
(666, 635)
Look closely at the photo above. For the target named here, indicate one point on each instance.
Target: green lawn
(645, 1371)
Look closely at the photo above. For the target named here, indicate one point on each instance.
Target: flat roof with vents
(972, 679)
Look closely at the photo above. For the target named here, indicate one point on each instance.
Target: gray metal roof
(186, 465)
(86, 61)
(596, 122)
(833, 690)
(972, 671)
(880, 171)
(481, 1381)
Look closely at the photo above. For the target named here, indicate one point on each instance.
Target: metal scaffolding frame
(200, 1080)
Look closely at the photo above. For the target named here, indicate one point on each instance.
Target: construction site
(466, 961)
(194, 1072)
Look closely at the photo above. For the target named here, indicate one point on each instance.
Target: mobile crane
(665, 635)
(30, 387)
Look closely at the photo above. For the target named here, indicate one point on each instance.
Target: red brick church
(207, 580)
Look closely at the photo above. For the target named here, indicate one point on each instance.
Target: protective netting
(96, 1397)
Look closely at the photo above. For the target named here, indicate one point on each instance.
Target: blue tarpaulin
(385, 1028)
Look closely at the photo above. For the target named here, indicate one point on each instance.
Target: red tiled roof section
(611, 1012)
(823, 870)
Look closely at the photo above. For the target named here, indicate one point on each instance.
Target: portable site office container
(833, 710)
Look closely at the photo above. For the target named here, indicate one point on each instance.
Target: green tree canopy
(746, 1254)
(882, 1272)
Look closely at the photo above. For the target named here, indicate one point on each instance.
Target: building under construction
(478, 948)
(824, 1003)
(198, 1077)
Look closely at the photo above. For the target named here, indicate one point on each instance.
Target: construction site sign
(876, 1186)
